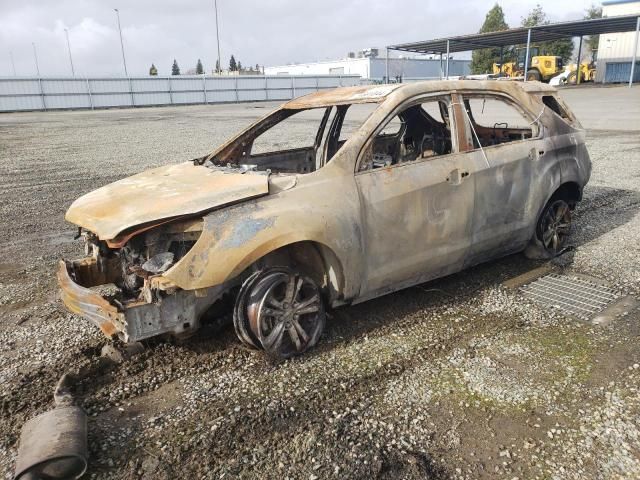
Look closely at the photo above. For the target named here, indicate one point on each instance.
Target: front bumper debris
(174, 312)
(85, 302)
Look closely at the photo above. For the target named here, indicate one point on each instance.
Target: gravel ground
(458, 378)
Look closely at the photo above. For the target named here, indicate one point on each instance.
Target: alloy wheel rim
(556, 227)
(289, 317)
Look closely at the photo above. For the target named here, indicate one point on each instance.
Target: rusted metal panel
(342, 96)
(237, 236)
(162, 193)
(87, 303)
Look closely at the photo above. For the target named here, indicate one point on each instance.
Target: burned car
(429, 179)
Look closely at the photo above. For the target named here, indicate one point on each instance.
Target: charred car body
(440, 176)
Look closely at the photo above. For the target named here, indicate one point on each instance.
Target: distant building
(369, 65)
(615, 50)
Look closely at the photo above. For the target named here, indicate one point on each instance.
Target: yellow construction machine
(587, 71)
(541, 67)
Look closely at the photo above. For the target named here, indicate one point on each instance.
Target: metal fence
(29, 93)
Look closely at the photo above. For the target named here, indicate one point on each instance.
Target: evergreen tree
(594, 11)
(239, 67)
(257, 68)
(232, 64)
(561, 48)
(153, 70)
(199, 68)
(175, 69)
(482, 60)
(218, 66)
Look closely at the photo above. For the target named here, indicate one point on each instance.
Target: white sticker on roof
(376, 92)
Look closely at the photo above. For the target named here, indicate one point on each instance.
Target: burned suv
(334, 198)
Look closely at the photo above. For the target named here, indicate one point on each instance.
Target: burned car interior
(413, 134)
(312, 149)
(419, 131)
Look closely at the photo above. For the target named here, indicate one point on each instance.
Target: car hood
(160, 194)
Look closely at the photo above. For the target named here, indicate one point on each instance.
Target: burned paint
(244, 230)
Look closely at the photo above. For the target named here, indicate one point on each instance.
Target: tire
(533, 75)
(554, 226)
(572, 78)
(280, 310)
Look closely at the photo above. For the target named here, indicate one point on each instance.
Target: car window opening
(419, 132)
(292, 141)
(551, 102)
(496, 121)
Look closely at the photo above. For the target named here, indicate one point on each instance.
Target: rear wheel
(533, 76)
(554, 226)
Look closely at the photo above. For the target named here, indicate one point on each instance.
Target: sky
(267, 32)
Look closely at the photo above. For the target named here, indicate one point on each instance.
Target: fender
(237, 236)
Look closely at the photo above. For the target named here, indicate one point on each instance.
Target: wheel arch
(570, 191)
(317, 259)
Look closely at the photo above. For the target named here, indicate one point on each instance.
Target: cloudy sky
(269, 32)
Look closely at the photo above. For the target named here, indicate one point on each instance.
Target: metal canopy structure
(525, 35)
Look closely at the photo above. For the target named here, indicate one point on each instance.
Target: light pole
(73, 73)
(13, 64)
(124, 61)
(35, 56)
(215, 6)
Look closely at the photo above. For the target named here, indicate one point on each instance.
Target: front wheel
(554, 226)
(281, 311)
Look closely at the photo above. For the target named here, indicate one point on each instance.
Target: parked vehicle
(439, 176)
(541, 68)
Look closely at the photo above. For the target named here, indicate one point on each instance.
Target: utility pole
(13, 64)
(35, 56)
(124, 61)
(73, 73)
(215, 6)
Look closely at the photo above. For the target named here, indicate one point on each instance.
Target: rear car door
(416, 191)
(504, 141)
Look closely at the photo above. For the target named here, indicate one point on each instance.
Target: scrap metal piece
(158, 263)
(54, 445)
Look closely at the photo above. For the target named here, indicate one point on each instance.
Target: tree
(239, 67)
(153, 70)
(218, 66)
(199, 68)
(482, 60)
(257, 68)
(561, 48)
(594, 11)
(232, 64)
(175, 69)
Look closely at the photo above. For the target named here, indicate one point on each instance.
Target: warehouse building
(369, 64)
(615, 50)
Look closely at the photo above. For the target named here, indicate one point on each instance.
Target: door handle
(456, 176)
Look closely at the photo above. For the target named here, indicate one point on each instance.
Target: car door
(417, 208)
(505, 143)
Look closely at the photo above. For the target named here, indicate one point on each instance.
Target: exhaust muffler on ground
(54, 445)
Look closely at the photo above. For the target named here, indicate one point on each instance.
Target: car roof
(378, 93)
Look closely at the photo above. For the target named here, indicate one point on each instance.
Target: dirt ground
(457, 378)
